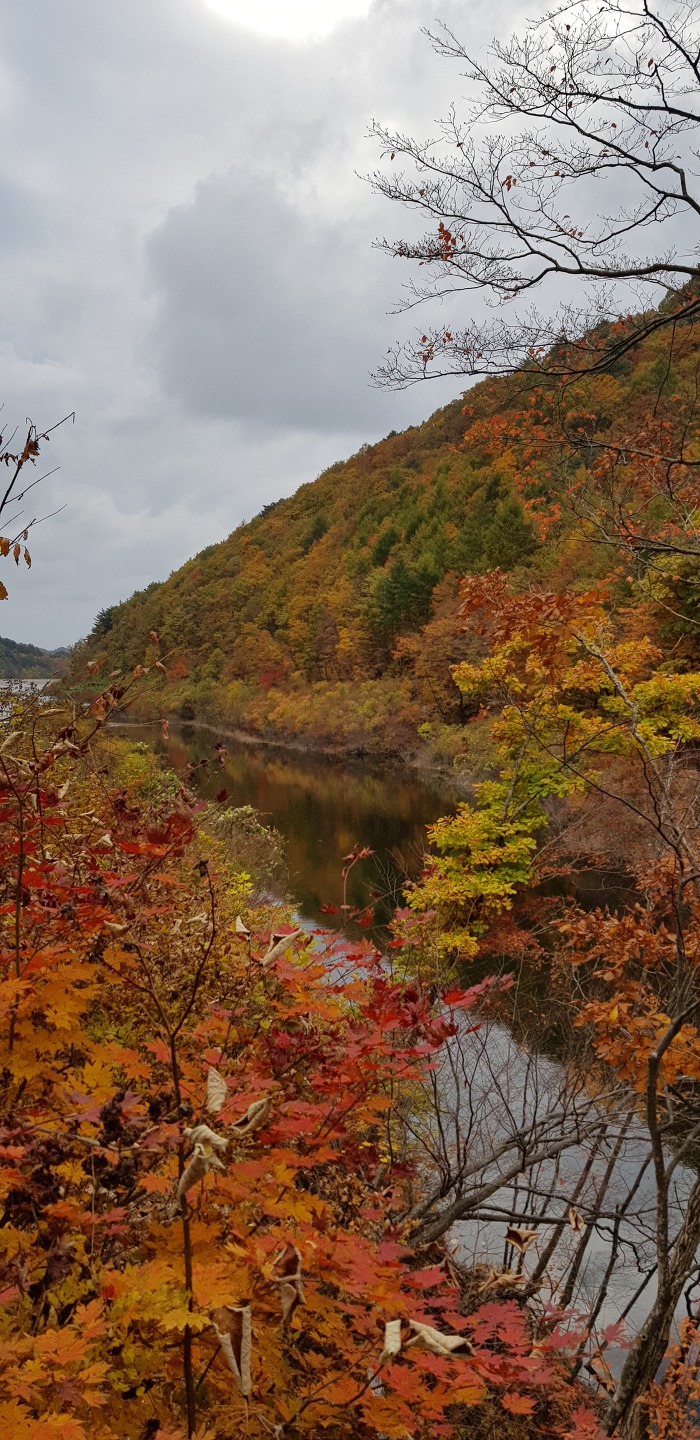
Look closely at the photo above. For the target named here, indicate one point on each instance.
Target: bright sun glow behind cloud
(288, 19)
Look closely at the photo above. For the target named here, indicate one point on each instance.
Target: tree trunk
(626, 1418)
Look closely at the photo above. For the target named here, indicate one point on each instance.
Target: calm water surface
(322, 809)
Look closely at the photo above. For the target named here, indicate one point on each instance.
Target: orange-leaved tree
(596, 732)
(205, 1180)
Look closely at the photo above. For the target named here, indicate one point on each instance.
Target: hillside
(332, 616)
(30, 662)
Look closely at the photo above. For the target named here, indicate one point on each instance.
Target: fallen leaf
(282, 945)
(392, 1339)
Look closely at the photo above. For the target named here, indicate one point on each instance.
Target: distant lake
(322, 809)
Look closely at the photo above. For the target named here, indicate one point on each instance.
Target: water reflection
(499, 1079)
(322, 809)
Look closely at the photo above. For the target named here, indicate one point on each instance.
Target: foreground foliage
(595, 731)
(204, 1174)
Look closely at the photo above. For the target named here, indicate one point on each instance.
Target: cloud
(188, 263)
(267, 315)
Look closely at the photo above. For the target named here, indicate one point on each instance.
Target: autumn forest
(267, 1179)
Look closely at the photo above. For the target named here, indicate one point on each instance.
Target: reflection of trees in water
(322, 809)
(541, 1178)
(509, 1125)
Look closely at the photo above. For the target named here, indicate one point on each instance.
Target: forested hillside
(332, 615)
(30, 662)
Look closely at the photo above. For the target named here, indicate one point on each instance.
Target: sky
(187, 258)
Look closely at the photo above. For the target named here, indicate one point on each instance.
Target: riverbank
(423, 763)
(322, 806)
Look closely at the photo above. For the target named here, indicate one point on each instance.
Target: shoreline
(381, 760)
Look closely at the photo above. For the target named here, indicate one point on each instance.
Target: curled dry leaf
(575, 1219)
(290, 1296)
(392, 1340)
(11, 739)
(282, 945)
(203, 1135)
(254, 1117)
(519, 1238)
(502, 1280)
(206, 1143)
(216, 1091)
(232, 1324)
(286, 1272)
(242, 929)
(437, 1343)
(427, 1335)
(194, 1172)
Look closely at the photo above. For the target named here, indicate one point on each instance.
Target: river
(322, 809)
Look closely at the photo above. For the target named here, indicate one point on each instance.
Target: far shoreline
(387, 760)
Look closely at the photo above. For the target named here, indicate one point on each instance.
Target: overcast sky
(187, 263)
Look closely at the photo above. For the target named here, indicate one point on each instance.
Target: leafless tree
(572, 175)
(596, 105)
(17, 456)
(15, 459)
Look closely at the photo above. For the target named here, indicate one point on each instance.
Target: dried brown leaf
(217, 1091)
(232, 1324)
(254, 1117)
(206, 1143)
(392, 1339)
(437, 1343)
(281, 947)
(520, 1238)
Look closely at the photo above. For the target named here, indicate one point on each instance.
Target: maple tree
(305, 1131)
(203, 1139)
(591, 705)
(584, 714)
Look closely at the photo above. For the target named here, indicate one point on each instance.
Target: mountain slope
(30, 662)
(331, 616)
